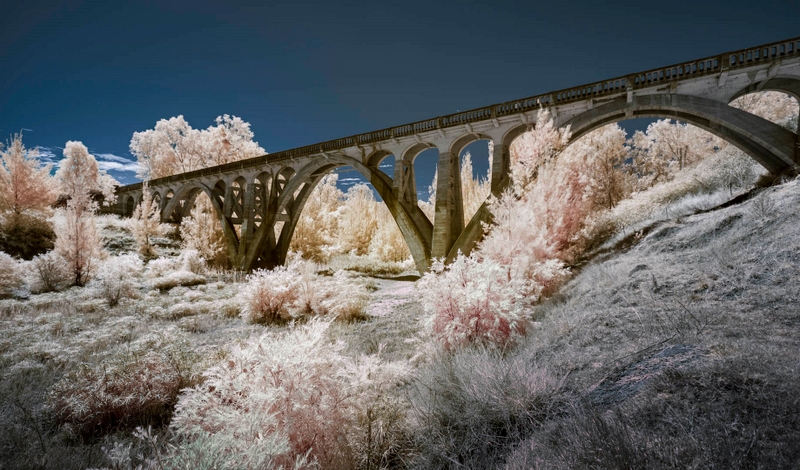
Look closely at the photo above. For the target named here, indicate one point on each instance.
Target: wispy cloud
(112, 158)
(47, 155)
(116, 166)
(386, 165)
(111, 162)
(25, 129)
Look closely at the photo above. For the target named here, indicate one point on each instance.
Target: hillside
(676, 348)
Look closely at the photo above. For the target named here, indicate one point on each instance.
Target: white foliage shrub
(48, 273)
(193, 261)
(288, 397)
(188, 269)
(117, 278)
(11, 277)
(268, 295)
(290, 291)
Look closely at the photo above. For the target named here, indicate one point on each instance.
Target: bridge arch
(129, 204)
(773, 146)
(785, 84)
(415, 227)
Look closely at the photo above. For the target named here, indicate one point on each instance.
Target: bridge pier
(448, 220)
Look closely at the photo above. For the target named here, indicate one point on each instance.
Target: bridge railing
(606, 88)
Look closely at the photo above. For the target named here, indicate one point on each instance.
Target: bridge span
(252, 196)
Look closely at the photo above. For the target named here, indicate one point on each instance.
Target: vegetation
(631, 307)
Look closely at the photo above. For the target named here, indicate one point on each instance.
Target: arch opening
(476, 175)
(425, 161)
(341, 214)
(778, 106)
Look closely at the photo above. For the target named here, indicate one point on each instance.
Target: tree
(668, 147)
(24, 183)
(316, 230)
(202, 231)
(474, 191)
(600, 158)
(173, 146)
(146, 222)
(77, 240)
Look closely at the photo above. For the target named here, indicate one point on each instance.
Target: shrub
(117, 278)
(281, 391)
(48, 273)
(25, 236)
(178, 278)
(289, 396)
(137, 388)
(474, 301)
(185, 270)
(295, 290)
(268, 295)
(10, 275)
(193, 261)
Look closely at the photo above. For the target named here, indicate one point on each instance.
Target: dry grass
(679, 352)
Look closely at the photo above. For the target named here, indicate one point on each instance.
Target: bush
(473, 302)
(10, 275)
(290, 396)
(186, 270)
(296, 290)
(134, 389)
(117, 278)
(281, 391)
(268, 295)
(48, 273)
(178, 278)
(25, 236)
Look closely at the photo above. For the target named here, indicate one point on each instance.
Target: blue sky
(304, 72)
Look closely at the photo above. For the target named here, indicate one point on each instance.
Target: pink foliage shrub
(138, 389)
(268, 295)
(474, 301)
(291, 399)
(286, 397)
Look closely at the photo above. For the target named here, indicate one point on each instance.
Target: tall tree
(146, 222)
(78, 241)
(24, 183)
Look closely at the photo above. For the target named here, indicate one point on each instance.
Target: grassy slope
(683, 351)
(679, 352)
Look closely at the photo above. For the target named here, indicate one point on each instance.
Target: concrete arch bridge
(258, 201)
